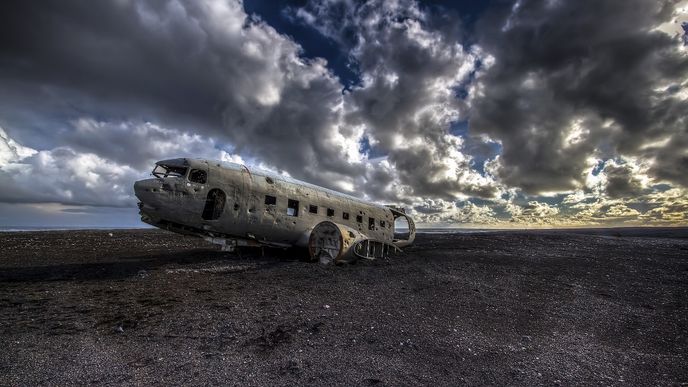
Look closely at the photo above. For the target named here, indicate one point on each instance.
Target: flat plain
(128, 307)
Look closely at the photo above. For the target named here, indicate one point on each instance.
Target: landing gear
(331, 242)
(326, 243)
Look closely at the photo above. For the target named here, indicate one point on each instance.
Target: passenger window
(313, 209)
(382, 223)
(292, 207)
(371, 223)
(345, 215)
(330, 212)
(359, 218)
(270, 200)
(198, 176)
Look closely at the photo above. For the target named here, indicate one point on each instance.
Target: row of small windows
(293, 210)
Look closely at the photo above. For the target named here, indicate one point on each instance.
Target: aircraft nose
(147, 189)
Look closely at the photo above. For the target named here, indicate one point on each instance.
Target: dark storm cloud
(621, 182)
(203, 67)
(671, 159)
(108, 52)
(582, 103)
(411, 62)
(596, 65)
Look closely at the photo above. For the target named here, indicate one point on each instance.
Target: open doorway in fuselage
(214, 204)
(402, 228)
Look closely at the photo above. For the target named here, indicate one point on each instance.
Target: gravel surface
(151, 307)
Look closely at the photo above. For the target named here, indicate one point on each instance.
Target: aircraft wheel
(331, 242)
(325, 243)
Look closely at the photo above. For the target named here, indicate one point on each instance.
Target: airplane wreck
(231, 205)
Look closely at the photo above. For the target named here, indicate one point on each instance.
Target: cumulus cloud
(11, 151)
(139, 145)
(621, 181)
(574, 79)
(441, 212)
(202, 67)
(62, 175)
(407, 99)
(669, 207)
(546, 114)
(533, 213)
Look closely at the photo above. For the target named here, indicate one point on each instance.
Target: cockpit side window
(198, 176)
(169, 171)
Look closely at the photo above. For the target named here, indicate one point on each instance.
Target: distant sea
(67, 228)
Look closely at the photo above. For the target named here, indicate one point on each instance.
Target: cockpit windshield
(161, 171)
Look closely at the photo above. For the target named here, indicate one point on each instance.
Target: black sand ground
(142, 307)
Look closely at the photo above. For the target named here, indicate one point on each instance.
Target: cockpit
(195, 175)
(161, 171)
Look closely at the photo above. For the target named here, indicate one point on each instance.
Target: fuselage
(220, 199)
